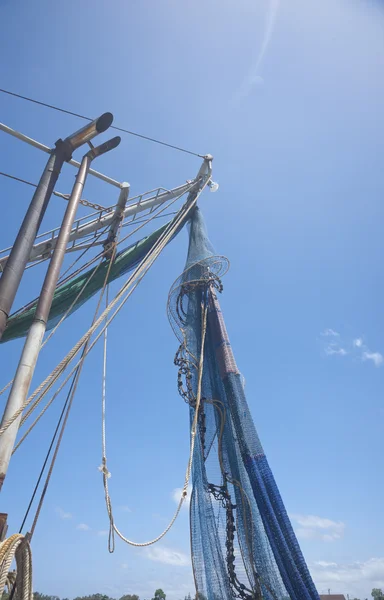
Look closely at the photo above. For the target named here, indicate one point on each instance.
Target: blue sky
(288, 98)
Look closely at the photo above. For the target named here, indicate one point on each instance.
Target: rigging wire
(68, 112)
(35, 404)
(64, 316)
(71, 394)
(94, 259)
(122, 296)
(84, 342)
(184, 211)
(47, 456)
(44, 392)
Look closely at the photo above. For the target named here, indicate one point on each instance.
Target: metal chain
(58, 194)
(85, 202)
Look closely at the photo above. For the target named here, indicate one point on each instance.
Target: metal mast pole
(18, 258)
(32, 345)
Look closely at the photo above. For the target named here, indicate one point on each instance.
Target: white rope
(17, 547)
(49, 403)
(104, 469)
(40, 398)
(134, 280)
(71, 395)
(101, 255)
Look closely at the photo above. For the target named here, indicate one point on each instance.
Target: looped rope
(106, 474)
(16, 547)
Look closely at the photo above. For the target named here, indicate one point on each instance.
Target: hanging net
(242, 542)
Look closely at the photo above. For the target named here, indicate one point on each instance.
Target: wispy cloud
(168, 556)
(62, 514)
(332, 349)
(254, 79)
(313, 527)
(358, 577)
(83, 527)
(176, 495)
(330, 333)
(366, 354)
(125, 508)
(375, 357)
(103, 532)
(324, 563)
(335, 346)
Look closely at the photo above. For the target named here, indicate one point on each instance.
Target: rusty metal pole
(32, 345)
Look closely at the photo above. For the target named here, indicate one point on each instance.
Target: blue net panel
(243, 545)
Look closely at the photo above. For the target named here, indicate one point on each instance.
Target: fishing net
(79, 290)
(242, 542)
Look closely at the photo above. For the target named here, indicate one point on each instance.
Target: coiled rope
(16, 547)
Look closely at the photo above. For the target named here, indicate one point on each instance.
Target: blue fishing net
(242, 542)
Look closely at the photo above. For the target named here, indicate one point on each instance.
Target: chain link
(84, 202)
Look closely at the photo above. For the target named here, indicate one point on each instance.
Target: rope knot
(103, 469)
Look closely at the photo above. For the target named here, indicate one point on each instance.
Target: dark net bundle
(243, 545)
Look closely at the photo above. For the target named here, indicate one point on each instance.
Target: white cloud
(313, 527)
(176, 495)
(125, 508)
(62, 514)
(356, 579)
(334, 349)
(103, 532)
(375, 357)
(324, 563)
(330, 333)
(253, 79)
(168, 556)
(83, 527)
(333, 346)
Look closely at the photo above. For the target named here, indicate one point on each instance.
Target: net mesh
(242, 542)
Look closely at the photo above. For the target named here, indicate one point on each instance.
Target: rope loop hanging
(104, 469)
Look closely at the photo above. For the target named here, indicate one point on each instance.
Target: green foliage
(91, 597)
(377, 594)
(38, 596)
(159, 595)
